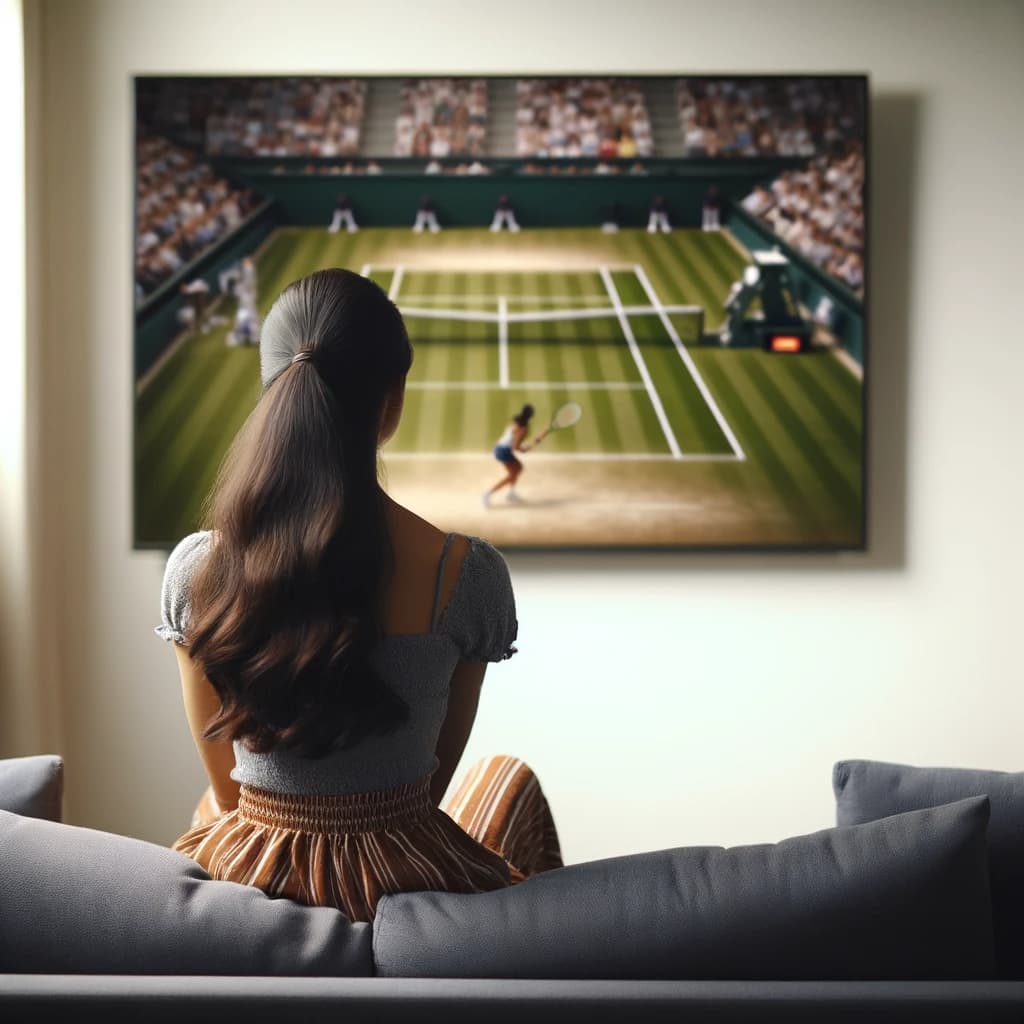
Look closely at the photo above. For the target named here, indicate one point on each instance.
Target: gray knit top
(478, 624)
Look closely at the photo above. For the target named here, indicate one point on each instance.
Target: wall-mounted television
(670, 270)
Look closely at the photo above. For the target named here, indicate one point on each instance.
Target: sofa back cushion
(33, 786)
(73, 900)
(902, 898)
(866, 790)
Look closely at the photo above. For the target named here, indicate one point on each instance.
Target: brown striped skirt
(347, 851)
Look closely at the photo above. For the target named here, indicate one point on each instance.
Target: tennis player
(512, 441)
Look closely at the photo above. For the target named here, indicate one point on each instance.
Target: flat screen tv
(669, 269)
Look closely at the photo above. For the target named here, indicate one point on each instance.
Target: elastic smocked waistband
(333, 813)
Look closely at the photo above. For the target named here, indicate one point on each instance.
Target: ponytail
(287, 608)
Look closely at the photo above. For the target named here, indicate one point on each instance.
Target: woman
(332, 644)
(512, 441)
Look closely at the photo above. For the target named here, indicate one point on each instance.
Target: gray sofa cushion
(73, 900)
(902, 898)
(866, 790)
(33, 786)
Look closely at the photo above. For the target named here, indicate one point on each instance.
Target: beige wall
(664, 699)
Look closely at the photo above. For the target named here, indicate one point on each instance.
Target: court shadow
(893, 181)
(528, 504)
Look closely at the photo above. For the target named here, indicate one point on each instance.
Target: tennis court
(679, 443)
(501, 339)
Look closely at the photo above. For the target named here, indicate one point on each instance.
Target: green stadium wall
(811, 282)
(391, 198)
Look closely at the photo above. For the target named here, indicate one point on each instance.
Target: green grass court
(678, 444)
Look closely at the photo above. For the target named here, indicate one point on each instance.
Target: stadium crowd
(181, 209)
(582, 117)
(820, 212)
(767, 117)
(288, 117)
(309, 116)
(441, 117)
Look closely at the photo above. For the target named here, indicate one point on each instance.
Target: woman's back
(451, 600)
(331, 644)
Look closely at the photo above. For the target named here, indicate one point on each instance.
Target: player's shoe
(486, 499)
(513, 497)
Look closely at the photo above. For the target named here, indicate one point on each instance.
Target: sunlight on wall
(13, 460)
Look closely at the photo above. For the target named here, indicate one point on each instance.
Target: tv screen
(668, 270)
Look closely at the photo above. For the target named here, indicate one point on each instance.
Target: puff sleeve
(481, 616)
(174, 606)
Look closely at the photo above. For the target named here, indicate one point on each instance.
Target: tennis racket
(566, 415)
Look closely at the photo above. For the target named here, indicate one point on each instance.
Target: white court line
(396, 283)
(452, 314)
(568, 456)
(503, 342)
(723, 424)
(634, 349)
(365, 272)
(529, 385)
(483, 300)
(539, 316)
(587, 314)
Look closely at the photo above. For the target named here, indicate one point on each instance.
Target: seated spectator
(421, 141)
(627, 145)
(758, 202)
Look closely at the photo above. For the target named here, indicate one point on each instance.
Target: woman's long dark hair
(288, 605)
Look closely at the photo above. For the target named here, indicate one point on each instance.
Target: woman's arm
(518, 439)
(201, 704)
(463, 698)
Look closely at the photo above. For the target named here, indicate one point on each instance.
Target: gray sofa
(909, 909)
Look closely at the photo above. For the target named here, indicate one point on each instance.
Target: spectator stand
(738, 117)
(812, 283)
(605, 118)
(182, 207)
(317, 116)
(440, 118)
(156, 319)
(192, 212)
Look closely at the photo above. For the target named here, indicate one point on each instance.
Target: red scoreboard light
(787, 339)
(785, 343)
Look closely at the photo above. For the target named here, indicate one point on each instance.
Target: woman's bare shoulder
(411, 535)
(420, 556)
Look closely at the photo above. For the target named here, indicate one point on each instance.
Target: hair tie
(303, 354)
